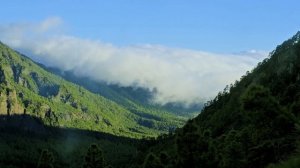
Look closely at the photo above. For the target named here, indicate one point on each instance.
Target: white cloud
(178, 75)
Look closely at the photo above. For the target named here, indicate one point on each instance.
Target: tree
(268, 122)
(233, 153)
(94, 157)
(2, 76)
(46, 159)
(164, 158)
(152, 161)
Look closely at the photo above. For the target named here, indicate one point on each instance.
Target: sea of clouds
(176, 74)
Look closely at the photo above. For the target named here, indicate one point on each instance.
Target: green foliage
(64, 104)
(94, 157)
(2, 76)
(46, 159)
(252, 123)
(152, 161)
(293, 162)
(23, 140)
(129, 97)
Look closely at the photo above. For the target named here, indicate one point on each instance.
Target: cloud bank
(177, 75)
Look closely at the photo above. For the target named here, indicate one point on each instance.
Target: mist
(176, 74)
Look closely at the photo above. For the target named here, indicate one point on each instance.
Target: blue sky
(224, 26)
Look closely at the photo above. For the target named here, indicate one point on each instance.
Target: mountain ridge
(127, 95)
(28, 88)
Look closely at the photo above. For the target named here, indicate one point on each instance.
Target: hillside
(23, 139)
(252, 123)
(27, 88)
(127, 96)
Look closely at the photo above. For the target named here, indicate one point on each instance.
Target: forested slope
(252, 123)
(27, 88)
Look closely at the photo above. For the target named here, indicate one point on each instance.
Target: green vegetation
(27, 88)
(94, 157)
(49, 122)
(252, 123)
(26, 142)
(46, 159)
(128, 97)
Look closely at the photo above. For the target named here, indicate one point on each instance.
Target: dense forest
(26, 142)
(254, 122)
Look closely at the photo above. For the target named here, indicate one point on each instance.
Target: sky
(185, 50)
(210, 25)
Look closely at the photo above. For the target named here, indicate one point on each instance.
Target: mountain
(28, 88)
(254, 122)
(129, 95)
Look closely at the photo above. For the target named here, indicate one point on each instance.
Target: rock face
(3, 104)
(9, 103)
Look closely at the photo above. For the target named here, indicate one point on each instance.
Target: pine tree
(152, 161)
(94, 157)
(46, 159)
